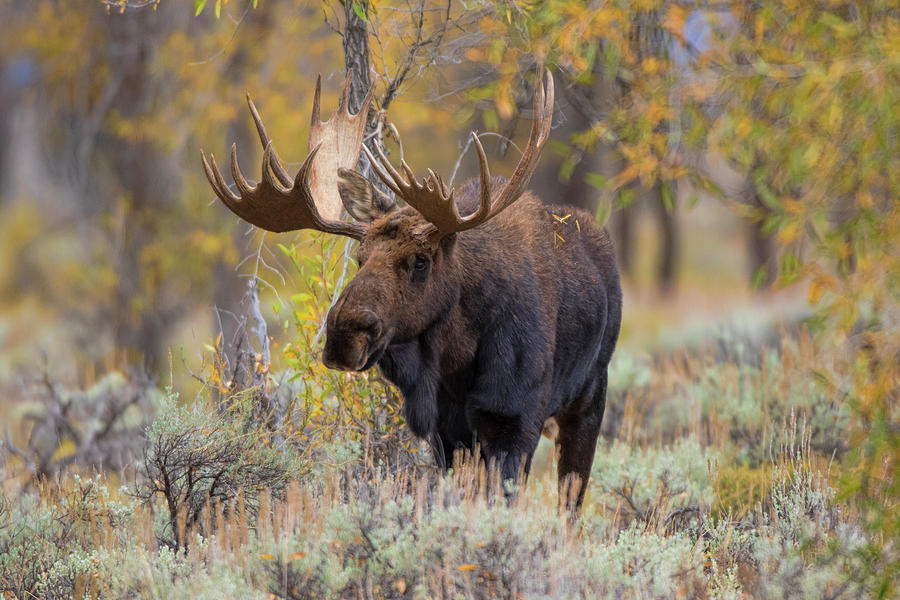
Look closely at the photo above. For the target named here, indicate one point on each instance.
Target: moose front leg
(412, 367)
(506, 441)
(504, 406)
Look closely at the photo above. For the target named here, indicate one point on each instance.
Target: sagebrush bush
(99, 427)
(648, 484)
(48, 540)
(424, 536)
(755, 405)
(200, 457)
(643, 564)
(799, 542)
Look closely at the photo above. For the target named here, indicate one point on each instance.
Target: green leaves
(358, 10)
(199, 5)
(598, 180)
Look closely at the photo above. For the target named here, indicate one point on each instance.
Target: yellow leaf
(625, 176)
(651, 65)
(296, 556)
(266, 556)
(466, 567)
(675, 19)
(788, 233)
(474, 54)
(65, 449)
(819, 285)
(400, 586)
(505, 105)
(815, 292)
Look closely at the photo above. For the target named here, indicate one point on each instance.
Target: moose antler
(434, 200)
(280, 203)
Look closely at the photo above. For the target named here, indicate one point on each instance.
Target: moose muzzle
(354, 339)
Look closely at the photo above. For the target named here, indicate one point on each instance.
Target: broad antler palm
(280, 203)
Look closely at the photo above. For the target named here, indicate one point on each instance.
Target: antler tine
(540, 132)
(242, 184)
(260, 128)
(484, 207)
(439, 184)
(275, 165)
(282, 175)
(379, 170)
(410, 176)
(267, 171)
(217, 182)
(392, 178)
(302, 178)
(314, 119)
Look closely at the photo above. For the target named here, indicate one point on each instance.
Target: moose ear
(362, 200)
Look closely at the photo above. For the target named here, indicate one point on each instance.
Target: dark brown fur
(506, 325)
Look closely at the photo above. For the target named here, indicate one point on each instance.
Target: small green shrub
(199, 458)
(46, 542)
(645, 565)
(755, 405)
(648, 484)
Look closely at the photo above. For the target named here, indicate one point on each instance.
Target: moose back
(489, 321)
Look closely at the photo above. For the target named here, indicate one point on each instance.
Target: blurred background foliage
(745, 155)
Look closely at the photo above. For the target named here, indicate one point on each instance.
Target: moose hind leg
(579, 428)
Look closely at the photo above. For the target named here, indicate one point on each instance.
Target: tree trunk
(356, 53)
(761, 247)
(623, 231)
(670, 246)
(146, 182)
(356, 58)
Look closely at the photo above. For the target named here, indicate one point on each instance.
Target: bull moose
(490, 318)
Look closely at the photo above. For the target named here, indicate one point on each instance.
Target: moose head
(408, 270)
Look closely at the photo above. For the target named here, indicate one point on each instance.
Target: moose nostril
(370, 323)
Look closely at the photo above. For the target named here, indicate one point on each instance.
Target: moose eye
(419, 271)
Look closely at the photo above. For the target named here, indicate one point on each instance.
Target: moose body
(489, 321)
(518, 326)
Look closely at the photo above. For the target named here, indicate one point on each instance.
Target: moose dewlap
(489, 321)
